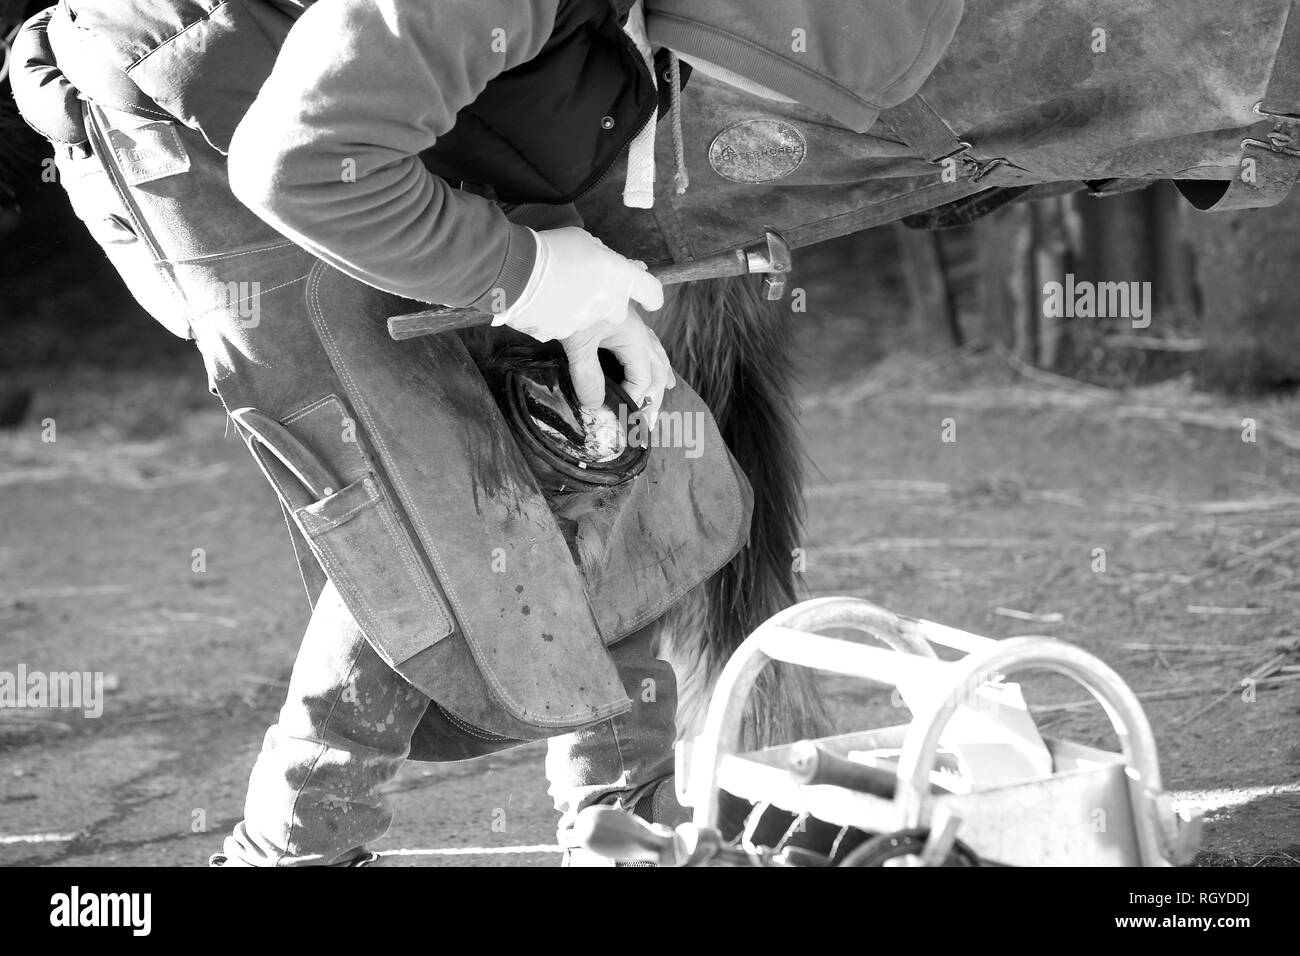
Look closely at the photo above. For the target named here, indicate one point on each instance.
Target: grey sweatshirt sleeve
(328, 152)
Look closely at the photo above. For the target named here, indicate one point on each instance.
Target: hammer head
(771, 259)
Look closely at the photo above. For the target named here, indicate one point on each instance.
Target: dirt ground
(996, 532)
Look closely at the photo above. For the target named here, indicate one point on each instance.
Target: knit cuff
(521, 256)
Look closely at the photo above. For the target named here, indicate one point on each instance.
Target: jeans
(315, 795)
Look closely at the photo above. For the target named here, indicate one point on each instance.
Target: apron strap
(928, 134)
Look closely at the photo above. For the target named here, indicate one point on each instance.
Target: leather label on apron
(757, 151)
(148, 152)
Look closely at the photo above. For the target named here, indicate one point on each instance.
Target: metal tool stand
(1096, 808)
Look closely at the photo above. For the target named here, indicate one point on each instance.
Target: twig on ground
(885, 376)
(198, 617)
(1112, 403)
(1228, 611)
(1259, 675)
(1163, 693)
(906, 544)
(1279, 542)
(1153, 344)
(1025, 370)
(169, 714)
(1053, 617)
(15, 718)
(264, 681)
(876, 486)
(64, 591)
(1168, 646)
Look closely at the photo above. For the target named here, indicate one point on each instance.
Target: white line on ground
(1205, 799)
(1231, 797)
(475, 850)
(9, 840)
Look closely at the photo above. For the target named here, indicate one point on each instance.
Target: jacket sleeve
(328, 152)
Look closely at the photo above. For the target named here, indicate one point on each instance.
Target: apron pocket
(328, 485)
(356, 536)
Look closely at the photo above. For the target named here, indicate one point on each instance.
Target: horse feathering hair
(735, 349)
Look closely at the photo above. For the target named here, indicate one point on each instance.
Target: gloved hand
(577, 282)
(646, 372)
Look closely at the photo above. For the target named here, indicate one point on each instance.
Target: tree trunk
(1246, 275)
(933, 317)
(1007, 301)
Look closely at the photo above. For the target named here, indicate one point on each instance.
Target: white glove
(646, 372)
(577, 282)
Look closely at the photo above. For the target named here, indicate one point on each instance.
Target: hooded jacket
(349, 124)
(379, 83)
(848, 59)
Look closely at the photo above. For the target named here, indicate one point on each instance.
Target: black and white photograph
(651, 433)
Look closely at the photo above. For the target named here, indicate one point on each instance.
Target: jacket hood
(849, 59)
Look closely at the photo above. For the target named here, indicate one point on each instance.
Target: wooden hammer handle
(435, 321)
(732, 263)
(448, 318)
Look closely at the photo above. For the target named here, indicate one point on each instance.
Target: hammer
(769, 257)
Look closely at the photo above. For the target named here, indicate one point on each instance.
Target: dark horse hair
(736, 350)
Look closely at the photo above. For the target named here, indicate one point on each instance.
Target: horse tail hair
(736, 350)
